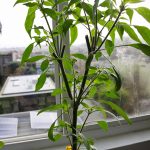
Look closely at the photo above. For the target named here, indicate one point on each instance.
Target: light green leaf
(103, 125)
(107, 3)
(27, 53)
(41, 81)
(85, 141)
(31, 4)
(92, 91)
(79, 56)
(1, 144)
(22, 1)
(56, 92)
(143, 47)
(120, 31)
(30, 19)
(117, 109)
(59, 2)
(144, 32)
(109, 46)
(98, 55)
(52, 108)
(44, 65)
(35, 58)
(132, 1)
(131, 32)
(51, 13)
(73, 34)
(129, 12)
(72, 2)
(144, 12)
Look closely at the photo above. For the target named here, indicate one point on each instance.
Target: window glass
(133, 66)
(17, 82)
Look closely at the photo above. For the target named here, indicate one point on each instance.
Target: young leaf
(30, 19)
(44, 65)
(73, 34)
(130, 14)
(103, 125)
(41, 81)
(109, 46)
(80, 56)
(143, 47)
(27, 53)
(144, 32)
(117, 109)
(132, 1)
(144, 12)
(120, 31)
(1, 144)
(131, 32)
(35, 58)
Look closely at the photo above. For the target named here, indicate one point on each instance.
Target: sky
(13, 32)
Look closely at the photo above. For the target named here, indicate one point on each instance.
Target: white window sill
(118, 136)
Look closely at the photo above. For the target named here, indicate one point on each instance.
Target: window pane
(17, 82)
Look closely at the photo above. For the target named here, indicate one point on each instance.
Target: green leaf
(79, 56)
(44, 65)
(144, 12)
(132, 1)
(143, 47)
(107, 3)
(67, 24)
(88, 9)
(98, 55)
(27, 53)
(109, 46)
(30, 19)
(52, 108)
(1, 144)
(103, 125)
(35, 58)
(129, 12)
(120, 31)
(73, 34)
(131, 32)
(22, 1)
(56, 92)
(59, 2)
(85, 141)
(41, 81)
(144, 32)
(51, 13)
(73, 2)
(117, 109)
(92, 91)
(31, 4)
(51, 135)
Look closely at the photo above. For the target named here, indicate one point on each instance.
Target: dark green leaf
(56, 92)
(66, 25)
(109, 46)
(44, 65)
(1, 144)
(80, 56)
(132, 1)
(131, 32)
(143, 47)
(130, 14)
(30, 19)
(41, 81)
(120, 31)
(144, 32)
(88, 9)
(51, 135)
(51, 13)
(31, 4)
(35, 58)
(52, 108)
(144, 12)
(27, 53)
(73, 34)
(117, 109)
(73, 2)
(103, 125)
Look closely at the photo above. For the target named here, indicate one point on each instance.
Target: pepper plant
(103, 21)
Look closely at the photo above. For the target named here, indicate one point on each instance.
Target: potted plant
(77, 88)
